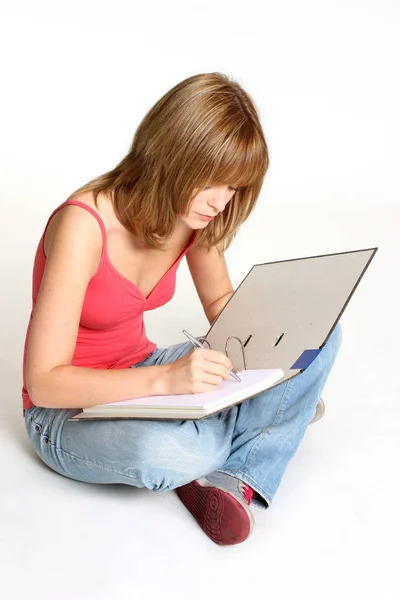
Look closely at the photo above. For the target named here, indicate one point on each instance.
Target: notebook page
(252, 380)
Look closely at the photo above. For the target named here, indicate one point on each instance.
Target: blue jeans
(252, 441)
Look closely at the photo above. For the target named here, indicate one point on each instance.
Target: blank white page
(253, 381)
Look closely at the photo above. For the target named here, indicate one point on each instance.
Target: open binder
(277, 321)
(282, 313)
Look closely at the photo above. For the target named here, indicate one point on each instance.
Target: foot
(319, 411)
(220, 504)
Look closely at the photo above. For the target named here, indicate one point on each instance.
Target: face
(206, 204)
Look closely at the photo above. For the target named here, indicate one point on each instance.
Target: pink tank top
(111, 331)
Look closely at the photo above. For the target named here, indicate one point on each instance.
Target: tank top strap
(94, 213)
(96, 216)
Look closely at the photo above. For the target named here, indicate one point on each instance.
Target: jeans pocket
(37, 428)
(43, 447)
(30, 416)
(34, 430)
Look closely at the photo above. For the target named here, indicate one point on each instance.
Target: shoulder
(202, 254)
(203, 262)
(75, 223)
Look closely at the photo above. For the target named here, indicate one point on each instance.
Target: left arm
(211, 279)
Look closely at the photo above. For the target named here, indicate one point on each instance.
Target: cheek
(194, 206)
(197, 203)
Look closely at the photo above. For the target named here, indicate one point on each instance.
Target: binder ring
(241, 346)
(203, 339)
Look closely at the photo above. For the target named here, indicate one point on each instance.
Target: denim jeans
(252, 441)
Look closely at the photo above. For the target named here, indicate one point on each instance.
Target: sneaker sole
(222, 516)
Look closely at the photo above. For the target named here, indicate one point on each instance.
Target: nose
(219, 198)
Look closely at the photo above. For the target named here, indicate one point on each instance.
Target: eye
(236, 189)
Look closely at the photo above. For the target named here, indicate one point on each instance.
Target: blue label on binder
(305, 359)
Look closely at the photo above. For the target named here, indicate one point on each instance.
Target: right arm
(73, 254)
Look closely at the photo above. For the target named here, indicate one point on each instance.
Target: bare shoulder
(72, 221)
(207, 264)
(199, 254)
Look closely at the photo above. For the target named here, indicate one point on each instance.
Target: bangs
(242, 162)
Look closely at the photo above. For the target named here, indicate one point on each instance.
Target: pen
(197, 343)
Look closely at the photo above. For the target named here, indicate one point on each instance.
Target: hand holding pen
(196, 343)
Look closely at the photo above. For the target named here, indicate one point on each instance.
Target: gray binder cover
(283, 312)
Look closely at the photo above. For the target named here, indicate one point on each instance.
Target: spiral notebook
(272, 328)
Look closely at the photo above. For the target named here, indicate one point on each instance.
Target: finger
(212, 379)
(216, 369)
(217, 357)
(222, 372)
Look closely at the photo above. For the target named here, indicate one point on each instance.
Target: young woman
(110, 252)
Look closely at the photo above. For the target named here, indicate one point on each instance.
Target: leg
(159, 455)
(270, 426)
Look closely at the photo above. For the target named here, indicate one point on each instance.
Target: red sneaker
(220, 505)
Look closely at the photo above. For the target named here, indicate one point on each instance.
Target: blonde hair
(204, 131)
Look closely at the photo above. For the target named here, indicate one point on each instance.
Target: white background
(77, 78)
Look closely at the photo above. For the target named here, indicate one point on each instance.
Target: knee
(335, 340)
(331, 349)
(166, 477)
(166, 462)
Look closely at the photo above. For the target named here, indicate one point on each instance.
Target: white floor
(333, 529)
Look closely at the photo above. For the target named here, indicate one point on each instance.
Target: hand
(199, 371)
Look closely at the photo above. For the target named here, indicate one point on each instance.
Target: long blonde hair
(204, 131)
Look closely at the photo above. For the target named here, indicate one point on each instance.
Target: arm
(211, 279)
(72, 259)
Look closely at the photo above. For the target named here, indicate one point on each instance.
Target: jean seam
(90, 463)
(40, 433)
(80, 458)
(265, 430)
(287, 389)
